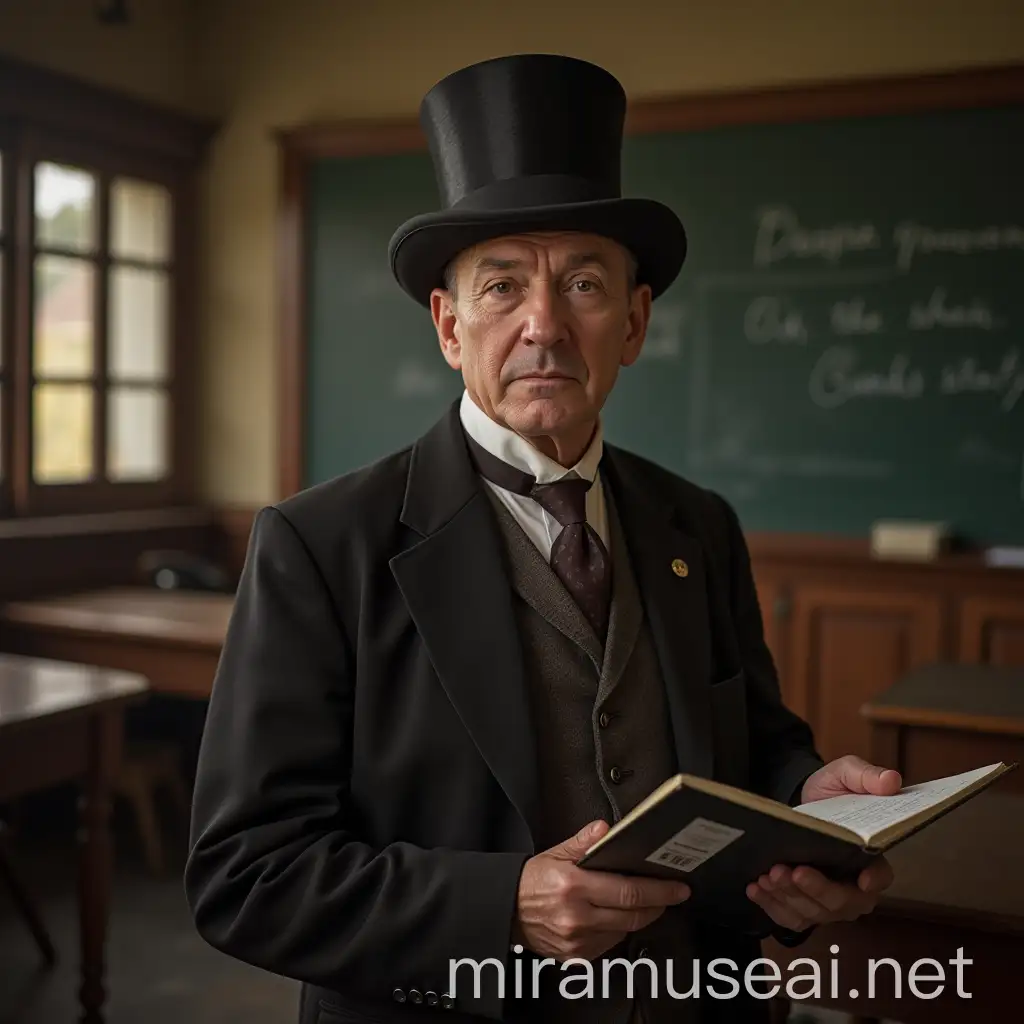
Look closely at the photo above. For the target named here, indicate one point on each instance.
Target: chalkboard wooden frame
(299, 147)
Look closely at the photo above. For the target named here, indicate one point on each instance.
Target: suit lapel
(676, 606)
(455, 585)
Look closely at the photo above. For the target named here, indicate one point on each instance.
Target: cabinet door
(850, 644)
(992, 631)
(773, 597)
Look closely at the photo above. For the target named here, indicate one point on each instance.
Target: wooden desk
(60, 723)
(944, 719)
(958, 885)
(173, 638)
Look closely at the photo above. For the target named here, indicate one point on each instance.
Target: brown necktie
(578, 557)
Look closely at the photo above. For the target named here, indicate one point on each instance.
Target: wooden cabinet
(851, 643)
(842, 627)
(992, 631)
(774, 599)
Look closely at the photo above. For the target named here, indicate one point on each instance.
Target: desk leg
(96, 859)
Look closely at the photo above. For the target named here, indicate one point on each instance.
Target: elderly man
(448, 672)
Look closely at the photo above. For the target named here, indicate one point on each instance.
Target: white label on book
(693, 845)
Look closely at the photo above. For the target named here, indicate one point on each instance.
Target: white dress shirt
(541, 527)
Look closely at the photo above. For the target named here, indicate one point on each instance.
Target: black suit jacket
(366, 785)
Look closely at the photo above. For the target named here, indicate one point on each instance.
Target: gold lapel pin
(679, 567)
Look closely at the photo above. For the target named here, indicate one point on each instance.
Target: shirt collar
(509, 446)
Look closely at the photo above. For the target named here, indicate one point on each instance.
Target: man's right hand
(566, 911)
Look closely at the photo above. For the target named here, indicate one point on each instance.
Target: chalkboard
(845, 342)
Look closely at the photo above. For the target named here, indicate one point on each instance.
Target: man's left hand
(799, 898)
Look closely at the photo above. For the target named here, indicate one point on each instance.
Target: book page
(868, 815)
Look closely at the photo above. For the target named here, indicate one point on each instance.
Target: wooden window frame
(7, 181)
(54, 119)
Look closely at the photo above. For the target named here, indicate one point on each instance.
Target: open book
(718, 838)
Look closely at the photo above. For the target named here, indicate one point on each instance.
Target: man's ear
(639, 319)
(446, 323)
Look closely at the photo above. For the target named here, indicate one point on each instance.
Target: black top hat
(530, 142)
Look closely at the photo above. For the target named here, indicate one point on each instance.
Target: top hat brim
(423, 246)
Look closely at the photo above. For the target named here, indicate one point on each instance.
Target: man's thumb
(577, 845)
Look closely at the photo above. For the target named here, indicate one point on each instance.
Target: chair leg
(149, 828)
(27, 909)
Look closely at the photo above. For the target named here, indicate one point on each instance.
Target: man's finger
(783, 915)
(626, 892)
(830, 895)
(788, 893)
(610, 919)
(860, 776)
(876, 877)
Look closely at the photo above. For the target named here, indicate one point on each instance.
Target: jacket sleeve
(782, 749)
(278, 874)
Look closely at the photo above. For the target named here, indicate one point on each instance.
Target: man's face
(539, 325)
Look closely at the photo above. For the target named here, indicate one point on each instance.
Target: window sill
(106, 523)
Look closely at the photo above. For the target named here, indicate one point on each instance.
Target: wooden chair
(145, 769)
(23, 902)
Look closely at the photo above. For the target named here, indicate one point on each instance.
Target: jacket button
(398, 995)
(617, 774)
(432, 999)
(415, 996)
(604, 720)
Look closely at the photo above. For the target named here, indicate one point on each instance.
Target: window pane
(64, 292)
(62, 433)
(138, 324)
(65, 208)
(140, 221)
(137, 434)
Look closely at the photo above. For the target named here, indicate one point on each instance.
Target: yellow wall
(262, 64)
(153, 57)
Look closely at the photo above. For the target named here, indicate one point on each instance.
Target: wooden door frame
(301, 146)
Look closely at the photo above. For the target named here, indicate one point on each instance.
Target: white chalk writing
(836, 379)
(780, 235)
(936, 312)
(769, 318)
(912, 240)
(853, 317)
(1005, 380)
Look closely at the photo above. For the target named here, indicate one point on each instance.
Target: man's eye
(500, 287)
(585, 285)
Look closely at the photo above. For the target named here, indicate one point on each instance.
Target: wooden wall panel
(992, 631)
(851, 644)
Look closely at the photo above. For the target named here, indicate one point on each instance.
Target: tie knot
(565, 499)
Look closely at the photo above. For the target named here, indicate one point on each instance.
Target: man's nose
(545, 317)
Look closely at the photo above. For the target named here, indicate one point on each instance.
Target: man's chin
(544, 415)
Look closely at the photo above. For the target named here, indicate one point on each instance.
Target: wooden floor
(159, 970)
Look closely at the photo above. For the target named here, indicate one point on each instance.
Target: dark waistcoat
(604, 741)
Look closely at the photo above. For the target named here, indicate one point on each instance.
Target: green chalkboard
(845, 343)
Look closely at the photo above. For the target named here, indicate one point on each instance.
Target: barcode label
(693, 845)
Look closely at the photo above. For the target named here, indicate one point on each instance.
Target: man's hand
(798, 898)
(850, 774)
(565, 911)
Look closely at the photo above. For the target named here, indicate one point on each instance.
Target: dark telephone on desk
(184, 570)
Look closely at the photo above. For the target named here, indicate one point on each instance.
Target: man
(448, 672)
